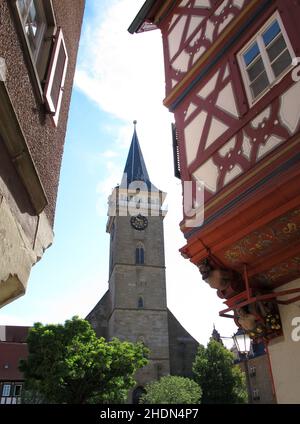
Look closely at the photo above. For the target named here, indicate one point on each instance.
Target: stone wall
(99, 315)
(183, 348)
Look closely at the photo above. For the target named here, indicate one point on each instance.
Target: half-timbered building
(232, 82)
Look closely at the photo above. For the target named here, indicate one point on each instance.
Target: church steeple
(136, 195)
(135, 168)
(216, 336)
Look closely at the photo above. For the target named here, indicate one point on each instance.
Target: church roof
(135, 168)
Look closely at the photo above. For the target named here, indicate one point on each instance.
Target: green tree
(172, 390)
(69, 364)
(221, 381)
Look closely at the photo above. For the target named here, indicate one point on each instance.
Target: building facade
(255, 365)
(259, 379)
(13, 348)
(135, 306)
(232, 82)
(38, 49)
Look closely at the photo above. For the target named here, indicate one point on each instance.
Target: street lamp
(243, 344)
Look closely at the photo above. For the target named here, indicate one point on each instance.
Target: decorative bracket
(258, 313)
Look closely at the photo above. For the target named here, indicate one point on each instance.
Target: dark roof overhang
(142, 15)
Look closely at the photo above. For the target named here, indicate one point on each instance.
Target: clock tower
(137, 280)
(134, 308)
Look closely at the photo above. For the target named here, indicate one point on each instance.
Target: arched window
(140, 302)
(136, 395)
(139, 254)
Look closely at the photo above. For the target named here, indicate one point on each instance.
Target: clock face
(139, 222)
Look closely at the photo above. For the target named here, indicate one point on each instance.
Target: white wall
(285, 353)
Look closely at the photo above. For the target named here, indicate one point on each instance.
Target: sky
(119, 78)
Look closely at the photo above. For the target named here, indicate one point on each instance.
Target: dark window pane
(142, 256)
(259, 84)
(251, 54)
(271, 32)
(256, 69)
(137, 394)
(276, 48)
(140, 302)
(139, 256)
(283, 62)
(17, 390)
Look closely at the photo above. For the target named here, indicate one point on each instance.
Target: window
(34, 23)
(38, 27)
(252, 371)
(17, 390)
(137, 394)
(6, 390)
(140, 303)
(255, 394)
(266, 58)
(45, 51)
(139, 255)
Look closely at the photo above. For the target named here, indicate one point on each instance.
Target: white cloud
(109, 154)
(124, 75)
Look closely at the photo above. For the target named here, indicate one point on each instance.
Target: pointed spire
(215, 335)
(135, 168)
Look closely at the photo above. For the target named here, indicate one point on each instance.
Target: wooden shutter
(56, 76)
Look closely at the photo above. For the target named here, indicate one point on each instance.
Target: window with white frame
(6, 390)
(266, 58)
(45, 50)
(34, 22)
(38, 27)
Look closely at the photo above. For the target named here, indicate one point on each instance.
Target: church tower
(137, 280)
(134, 308)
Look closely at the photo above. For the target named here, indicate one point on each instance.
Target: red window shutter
(56, 76)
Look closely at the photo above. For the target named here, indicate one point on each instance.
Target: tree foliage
(220, 380)
(69, 364)
(172, 390)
